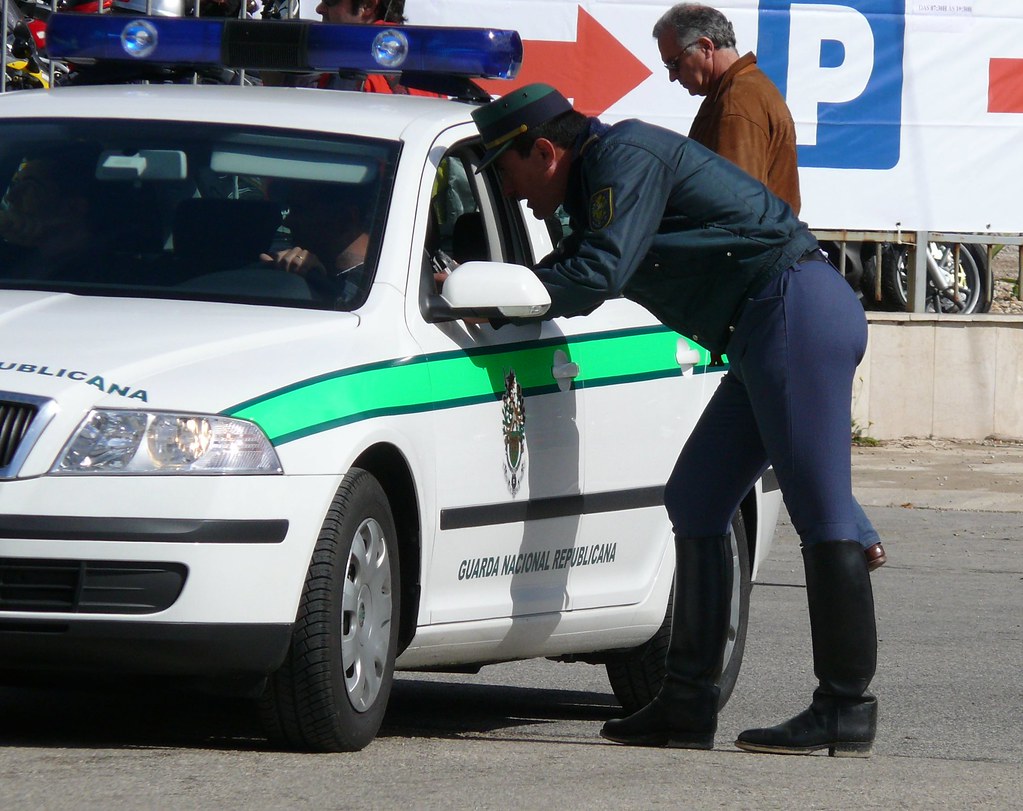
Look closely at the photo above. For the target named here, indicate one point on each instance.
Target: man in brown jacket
(744, 118)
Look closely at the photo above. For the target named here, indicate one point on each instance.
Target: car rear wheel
(637, 674)
(332, 690)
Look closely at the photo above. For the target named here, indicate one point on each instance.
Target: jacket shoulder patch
(601, 209)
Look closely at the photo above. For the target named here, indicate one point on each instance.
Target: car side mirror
(491, 290)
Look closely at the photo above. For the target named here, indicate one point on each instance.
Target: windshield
(191, 211)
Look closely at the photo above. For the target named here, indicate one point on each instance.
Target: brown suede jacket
(745, 119)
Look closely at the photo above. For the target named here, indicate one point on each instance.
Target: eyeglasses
(673, 63)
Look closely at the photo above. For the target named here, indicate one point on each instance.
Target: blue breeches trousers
(786, 402)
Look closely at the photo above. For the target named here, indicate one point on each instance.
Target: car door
(508, 468)
(643, 389)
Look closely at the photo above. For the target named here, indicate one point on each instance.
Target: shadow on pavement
(155, 714)
(444, 709)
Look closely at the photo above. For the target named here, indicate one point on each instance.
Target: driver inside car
(329, 235)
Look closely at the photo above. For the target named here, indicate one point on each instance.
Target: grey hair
(692, 20)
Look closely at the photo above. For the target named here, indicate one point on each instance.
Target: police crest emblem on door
(513, 418)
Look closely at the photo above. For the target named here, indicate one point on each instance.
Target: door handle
(564, 370)
(685, 356)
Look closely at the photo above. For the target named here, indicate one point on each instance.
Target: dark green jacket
(667, 223)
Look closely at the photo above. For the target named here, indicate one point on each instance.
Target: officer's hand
(443, 266)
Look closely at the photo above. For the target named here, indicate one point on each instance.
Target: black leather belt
(813, 255)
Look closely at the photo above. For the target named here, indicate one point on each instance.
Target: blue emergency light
(284, 45)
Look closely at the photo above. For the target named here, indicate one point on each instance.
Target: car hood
(119, 352)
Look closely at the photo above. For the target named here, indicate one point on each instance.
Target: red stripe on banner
(1005, 86)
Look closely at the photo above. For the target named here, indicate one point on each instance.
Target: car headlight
(114, 441)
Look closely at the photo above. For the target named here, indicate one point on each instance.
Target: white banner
(909, 113)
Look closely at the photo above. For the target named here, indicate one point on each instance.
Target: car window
(470, 218)
(189, 211)
(456, 223)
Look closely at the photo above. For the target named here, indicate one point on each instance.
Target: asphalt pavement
(524, 735)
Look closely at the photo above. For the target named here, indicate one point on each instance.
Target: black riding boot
(843, 715)
(684, 713)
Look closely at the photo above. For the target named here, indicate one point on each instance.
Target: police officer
(712, 253)
(744, 118)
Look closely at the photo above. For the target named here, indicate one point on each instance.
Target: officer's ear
(546, 150)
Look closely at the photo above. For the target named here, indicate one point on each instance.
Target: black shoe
(660, 723)
(845, 727)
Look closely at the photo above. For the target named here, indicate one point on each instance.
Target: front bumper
(140, 648)
(173, 575)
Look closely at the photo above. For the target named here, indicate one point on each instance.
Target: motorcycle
(22, 69)
(956, 278)
(957, 275)
(25, 64)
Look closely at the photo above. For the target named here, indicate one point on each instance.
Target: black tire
(331, 693)
(971, 272)
(636, 675)
(895, 276)
(979, 254)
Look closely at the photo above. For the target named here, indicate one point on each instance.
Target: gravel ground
(1005, 269)
(941, 474)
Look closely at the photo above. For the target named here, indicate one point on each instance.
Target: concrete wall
(941, 376)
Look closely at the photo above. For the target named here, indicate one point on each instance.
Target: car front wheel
(332, 690)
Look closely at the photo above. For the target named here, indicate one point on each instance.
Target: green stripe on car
(457, 378)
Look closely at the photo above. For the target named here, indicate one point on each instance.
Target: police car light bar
(284, 45)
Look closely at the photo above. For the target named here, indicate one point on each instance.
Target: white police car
(213, 467)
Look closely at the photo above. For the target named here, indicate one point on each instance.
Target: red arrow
(595, 71)
(1005, 86)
